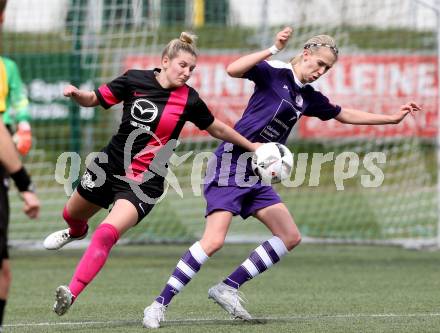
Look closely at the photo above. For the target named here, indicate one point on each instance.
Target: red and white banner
(374, 83)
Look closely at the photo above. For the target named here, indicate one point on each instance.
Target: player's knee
(292, 240)
(212, 245)
(216, 245)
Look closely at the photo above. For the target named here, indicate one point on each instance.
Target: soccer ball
(272, 162)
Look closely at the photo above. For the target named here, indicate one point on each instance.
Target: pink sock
(76, 227)
(103, 239)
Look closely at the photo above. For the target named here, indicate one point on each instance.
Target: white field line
(214, 320)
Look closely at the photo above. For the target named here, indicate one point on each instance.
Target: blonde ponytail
(186, 43)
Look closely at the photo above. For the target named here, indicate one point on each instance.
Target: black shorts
(103, 188)
(4, 214)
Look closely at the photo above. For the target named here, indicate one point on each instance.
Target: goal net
(350, 183)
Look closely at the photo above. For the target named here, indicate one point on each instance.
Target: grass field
(318, 288)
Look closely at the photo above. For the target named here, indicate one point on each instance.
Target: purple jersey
(278, 101)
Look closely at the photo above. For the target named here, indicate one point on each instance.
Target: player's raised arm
(245, 63)
(82, 97)
(357, 117)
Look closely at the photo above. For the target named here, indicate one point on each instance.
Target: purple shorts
(243, 201)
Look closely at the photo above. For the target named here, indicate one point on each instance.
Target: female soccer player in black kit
(157, 103)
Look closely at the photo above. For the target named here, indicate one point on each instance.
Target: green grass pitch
(316, 288)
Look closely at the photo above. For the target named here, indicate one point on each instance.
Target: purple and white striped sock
(190, 263)
(262, 258)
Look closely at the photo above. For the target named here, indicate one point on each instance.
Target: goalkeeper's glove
(23, 137)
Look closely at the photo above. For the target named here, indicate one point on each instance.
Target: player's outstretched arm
(357, 117)
(221, 131)
(245, 63)
(82, 97)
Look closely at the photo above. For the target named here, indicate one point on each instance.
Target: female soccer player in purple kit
(157, 103)
(282, 95)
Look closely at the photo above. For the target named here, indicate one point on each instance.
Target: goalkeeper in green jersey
(14, 105)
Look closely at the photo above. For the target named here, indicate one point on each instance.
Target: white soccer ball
(272, 162)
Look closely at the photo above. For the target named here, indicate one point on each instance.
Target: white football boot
(60, 238)
(153, 315)
(63, 300)
(229, 299)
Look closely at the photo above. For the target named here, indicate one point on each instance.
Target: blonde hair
(314, 43)
(186, 43)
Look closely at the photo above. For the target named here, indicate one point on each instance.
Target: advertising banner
(373, 83)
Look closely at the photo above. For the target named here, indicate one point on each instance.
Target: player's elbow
(217, 130)
(233, 72)
(220, 133)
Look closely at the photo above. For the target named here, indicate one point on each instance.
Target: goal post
(349, 183)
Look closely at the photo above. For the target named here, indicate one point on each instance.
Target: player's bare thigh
(279, 221)
(80, 208)
(216, 228)
(123, 216)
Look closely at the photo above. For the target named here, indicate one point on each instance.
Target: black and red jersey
(159, 114)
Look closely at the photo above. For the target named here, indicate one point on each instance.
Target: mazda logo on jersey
(143, 110)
